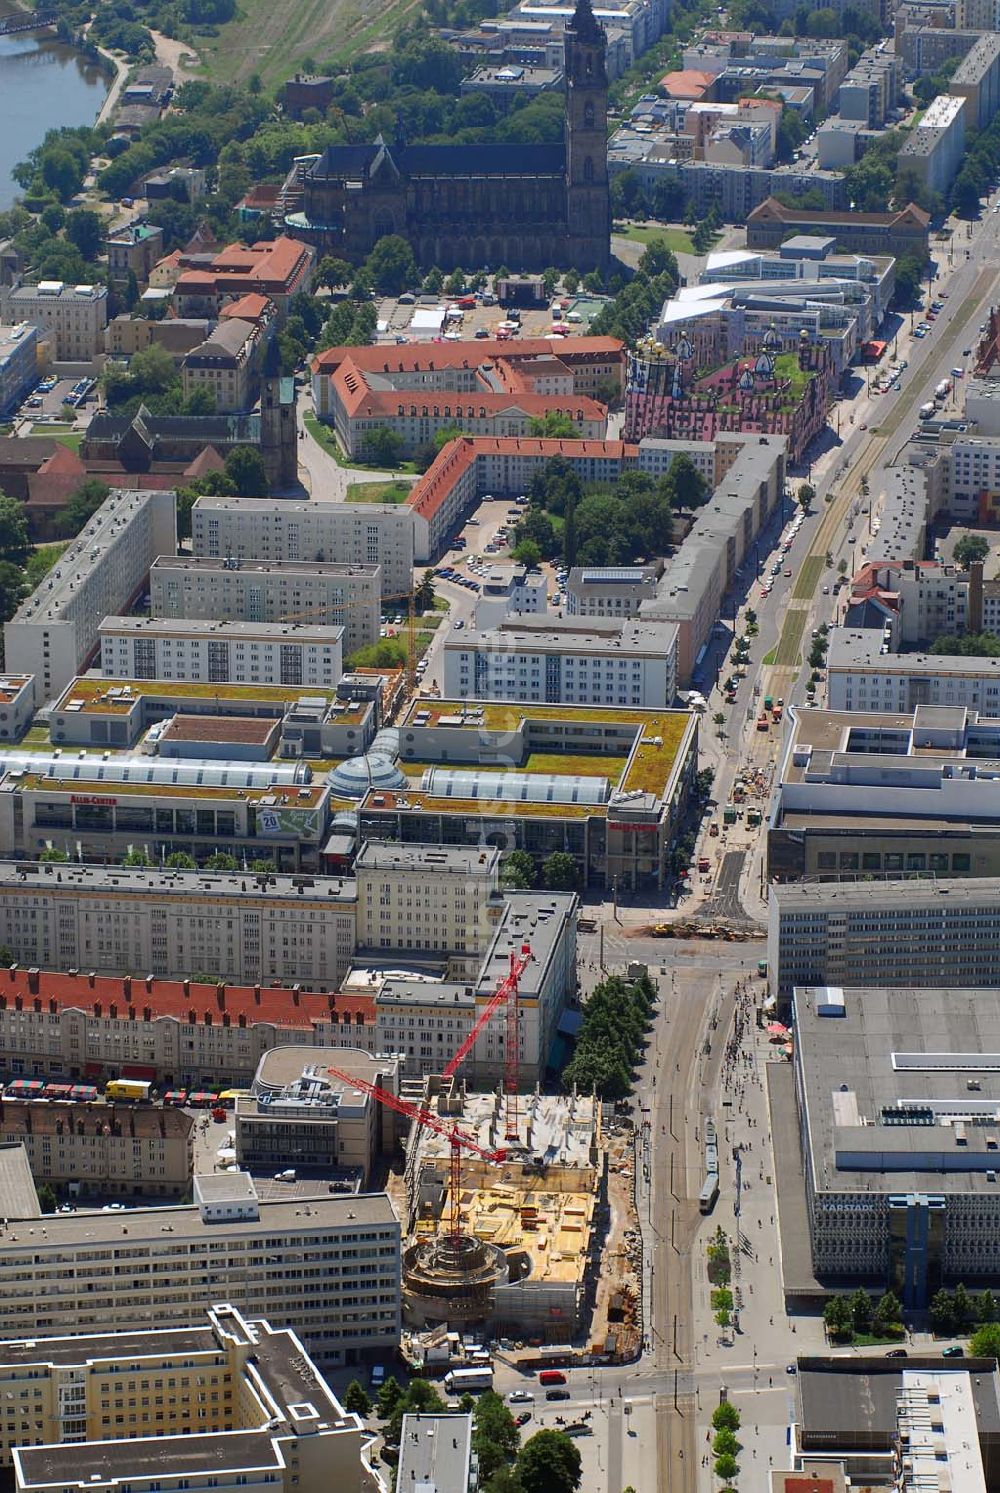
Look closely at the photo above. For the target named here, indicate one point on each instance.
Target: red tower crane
(457, 1139)
(506, 992)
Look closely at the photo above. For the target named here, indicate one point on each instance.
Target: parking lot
(484, 319)
(48, 401)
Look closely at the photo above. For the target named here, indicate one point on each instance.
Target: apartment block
(934, 149)
(425, 897)
(435, 1451)
(292, 653)
(277, 268)
(18, 364)
(73, 316)
(910, 933)
(234, 1394)
(54, 633)
(328, 1269)
(925, 49)
(97, 1149)
(609, 591)
(133, 249)
(861, 676)
(175, 1033)
(426, 1021)
(276, 591)
(598, 661)
(977, 80)
(977, 15)
(507, 590)
(243, 928)
(266, 529)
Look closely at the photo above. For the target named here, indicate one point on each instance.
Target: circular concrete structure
(451, 1280)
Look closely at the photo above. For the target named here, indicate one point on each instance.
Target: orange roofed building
(276, 269)
(90, 1027)
(488, 389)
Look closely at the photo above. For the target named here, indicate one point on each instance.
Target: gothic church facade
(478, 206)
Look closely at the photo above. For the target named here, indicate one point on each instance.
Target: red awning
(144, 1071)
(93, 1070)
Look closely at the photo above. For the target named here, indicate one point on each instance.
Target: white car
(520, 1397)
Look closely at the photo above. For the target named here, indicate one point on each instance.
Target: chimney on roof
(33, 973)
(256, 995)
(12, 971)
(187, 987)
(149, 983)
(127, 987)
(91, 978)
(220, 994)
(296, 993)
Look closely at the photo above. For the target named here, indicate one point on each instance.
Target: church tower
(278, 434)
(588, 201)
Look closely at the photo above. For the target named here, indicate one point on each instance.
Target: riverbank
(121, 72)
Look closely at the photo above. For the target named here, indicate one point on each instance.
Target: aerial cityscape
(499, 746)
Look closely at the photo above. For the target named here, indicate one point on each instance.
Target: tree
(245, 466)
(85, 230)
(838, 1320)
(559, 872)
(391, 265)
(725, 1443)
(14, 543)
(331, 272)
(861, 1311)
(82, 504)
(389, 1397)
(518, 871)
(181, 861)
(549, 1463)
(134, 857)
(526, 552)
(504, 1480)
(495, 1436)
(424, 594)
(684, 486)
(554, 425)
(970, 549)
(942, 1314)
(383, 447)
(964, 1311)
(806, 496)
(6, 956)
(47, 1200)
(356, 1399)
(726, 1417)
(726, 1467)
(888, 1315)
(657, 259)
(986, 1306)
(53, 854)
(985, 1341)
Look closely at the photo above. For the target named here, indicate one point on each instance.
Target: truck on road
(132, 1090)
(458, 1381)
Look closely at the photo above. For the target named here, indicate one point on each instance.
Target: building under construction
(512, 1251)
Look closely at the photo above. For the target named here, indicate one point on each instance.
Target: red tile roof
(411, 357)
(249, 307)
(688, 83)
(136, 999)
(427, 495)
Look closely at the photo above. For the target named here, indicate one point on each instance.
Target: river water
(43, 85)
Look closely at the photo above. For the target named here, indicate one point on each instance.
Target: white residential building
(329, 1268)
(861, 676)
(240, 927)
(595, 661)
(425, 897)
(56, 630)
(347, 596)
(275, 529)
(222, 652)
(426, 1021)
(74, 315)
(934, 148)
(508, 590)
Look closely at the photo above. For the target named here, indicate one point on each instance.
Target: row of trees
(559, 872)
(848, 1317)
(612, 1035)
(951, 1312)
(548, 1462)
(179, 860)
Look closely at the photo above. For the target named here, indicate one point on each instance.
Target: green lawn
(378, 492)
(786, 366)
(805, 586)
(677, 239)
(70, 438)
(787, 653)
(273, 37)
